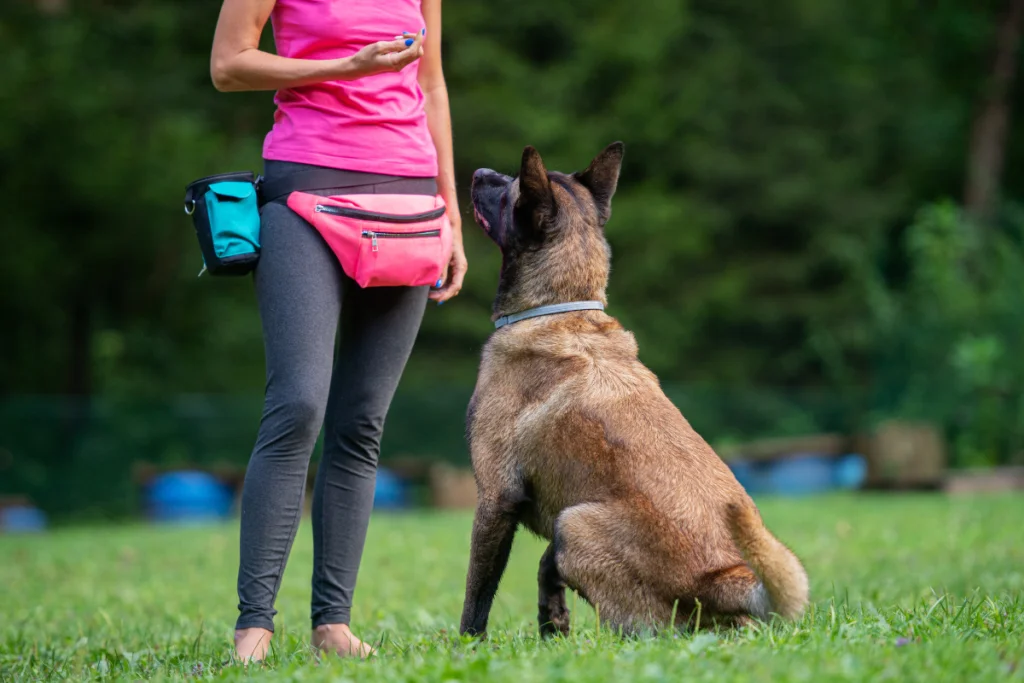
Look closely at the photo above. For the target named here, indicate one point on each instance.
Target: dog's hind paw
(552, 624)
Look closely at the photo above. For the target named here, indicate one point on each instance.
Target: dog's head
(550, 229)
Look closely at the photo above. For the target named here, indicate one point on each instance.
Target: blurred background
(818, 241)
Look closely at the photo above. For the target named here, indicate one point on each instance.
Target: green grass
(905, 588)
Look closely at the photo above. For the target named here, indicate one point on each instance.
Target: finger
(458, 276)
(449, 292)
(409, 55)
(413, 42)
(453, 287)
(402, 62)
(407, 39)
(387, 46)
(443, 294)
(435, 291)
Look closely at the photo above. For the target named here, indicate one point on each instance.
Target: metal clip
(373, 240)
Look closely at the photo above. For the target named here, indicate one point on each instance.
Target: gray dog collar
(548, 310)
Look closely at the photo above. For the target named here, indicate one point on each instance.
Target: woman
(361, 98)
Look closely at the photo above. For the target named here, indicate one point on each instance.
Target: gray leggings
(303, 295)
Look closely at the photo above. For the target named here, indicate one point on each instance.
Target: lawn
(905, 588)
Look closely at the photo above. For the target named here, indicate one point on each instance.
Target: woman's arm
(237, 63)
(439, 121)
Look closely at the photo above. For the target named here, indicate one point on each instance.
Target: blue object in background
(801, 475)
(22, 519)
(750, 475)
(850, 472)
(185, 497)
(389, 493)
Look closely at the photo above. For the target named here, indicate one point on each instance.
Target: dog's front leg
(493, 529)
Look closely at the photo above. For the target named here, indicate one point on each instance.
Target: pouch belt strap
(314, 179)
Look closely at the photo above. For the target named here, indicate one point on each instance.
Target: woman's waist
(337, 178)
(283, 177)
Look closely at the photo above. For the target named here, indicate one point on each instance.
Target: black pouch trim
(378, 217)
(195, 207)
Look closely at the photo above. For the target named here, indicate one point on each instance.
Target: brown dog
(572, 437)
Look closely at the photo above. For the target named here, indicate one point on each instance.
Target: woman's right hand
(385, 55)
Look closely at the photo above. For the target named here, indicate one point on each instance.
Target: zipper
(380, 217)
(373, 235)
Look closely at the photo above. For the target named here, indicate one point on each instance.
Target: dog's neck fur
(556, 275)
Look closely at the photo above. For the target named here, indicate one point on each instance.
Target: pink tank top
(374, 124)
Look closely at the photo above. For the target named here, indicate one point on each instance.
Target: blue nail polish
(423, 32)
(408, 42)
(440, 303)
(437, 285)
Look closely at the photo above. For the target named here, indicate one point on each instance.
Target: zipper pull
(373, 241)
(319, 208)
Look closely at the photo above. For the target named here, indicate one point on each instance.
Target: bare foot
(252, 644)
(338, 638)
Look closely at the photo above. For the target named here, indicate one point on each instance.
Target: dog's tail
(779, 570)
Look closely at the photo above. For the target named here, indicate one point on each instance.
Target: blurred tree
(771, 153)
(776, 155)
(108, 114)
(991, 124)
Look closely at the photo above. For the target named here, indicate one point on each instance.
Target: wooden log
(902, 454)
(14, 502)
(452, 487)
(988, 480)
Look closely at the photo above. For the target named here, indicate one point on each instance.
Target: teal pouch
(234, 218)
(225, 213)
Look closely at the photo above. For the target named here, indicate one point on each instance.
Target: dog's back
(612, 463)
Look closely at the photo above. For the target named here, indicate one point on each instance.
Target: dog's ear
(534, 185)
(602, 177)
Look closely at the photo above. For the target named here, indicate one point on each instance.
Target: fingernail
(437, 285)
(440, 303)
(408, 42)
(423, 32)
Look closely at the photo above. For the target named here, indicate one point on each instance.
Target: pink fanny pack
(382, 240)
